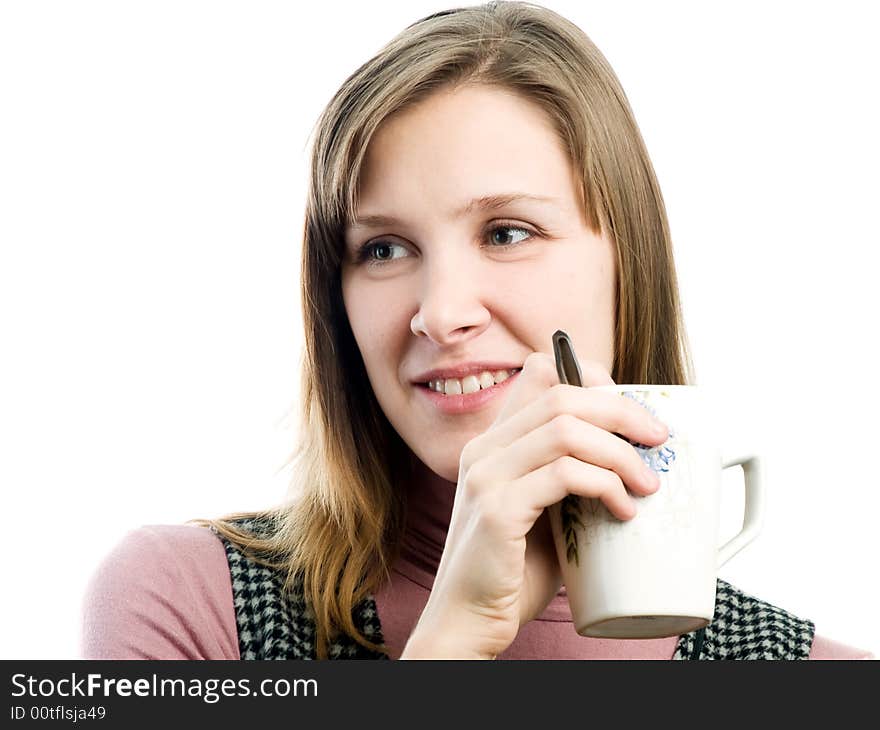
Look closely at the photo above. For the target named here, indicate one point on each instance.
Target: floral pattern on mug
(657, 458)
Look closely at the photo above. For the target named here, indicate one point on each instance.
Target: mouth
(436, 386)
(455, 404)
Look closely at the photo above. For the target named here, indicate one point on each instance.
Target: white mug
(655, 575)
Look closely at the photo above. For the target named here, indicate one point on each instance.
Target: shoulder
(152, 541)
(163, 591)
(154, 555)
(746, 627)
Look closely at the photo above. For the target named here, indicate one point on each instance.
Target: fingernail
(660, 429)
(653, 479)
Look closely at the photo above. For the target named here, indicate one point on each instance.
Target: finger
(552, 482)
(594, 373)
(622, 417)
(568, 435)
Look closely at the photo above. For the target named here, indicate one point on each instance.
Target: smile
(453, 403)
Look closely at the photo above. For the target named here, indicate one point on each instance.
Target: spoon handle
(567, 366)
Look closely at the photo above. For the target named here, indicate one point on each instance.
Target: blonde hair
(343, 526)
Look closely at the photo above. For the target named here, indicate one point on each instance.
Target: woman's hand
(499, 567)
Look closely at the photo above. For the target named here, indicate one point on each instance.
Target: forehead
(461, 151)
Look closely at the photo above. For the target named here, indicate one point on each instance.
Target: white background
(152, 170)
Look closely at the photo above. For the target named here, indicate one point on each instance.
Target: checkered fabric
(275, 625)
(744, 627)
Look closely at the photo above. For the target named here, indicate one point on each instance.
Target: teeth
(471, 383)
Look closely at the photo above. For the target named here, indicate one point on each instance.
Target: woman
(477, 185)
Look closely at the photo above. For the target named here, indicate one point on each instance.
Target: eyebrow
(486, 202)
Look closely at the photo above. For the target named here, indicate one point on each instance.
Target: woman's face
(441, 287)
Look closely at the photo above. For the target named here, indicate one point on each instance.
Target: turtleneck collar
(429, 512)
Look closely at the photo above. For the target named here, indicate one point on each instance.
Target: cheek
(379, 327)
(574, 291)
(358, 307)
(559, 281)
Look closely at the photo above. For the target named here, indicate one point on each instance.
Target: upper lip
(463, 369)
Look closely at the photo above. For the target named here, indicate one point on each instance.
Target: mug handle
(753, 508)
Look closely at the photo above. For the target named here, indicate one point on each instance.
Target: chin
(449, 476)
(444, 466)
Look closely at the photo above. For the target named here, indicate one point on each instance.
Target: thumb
(537, 375)
(594, 373)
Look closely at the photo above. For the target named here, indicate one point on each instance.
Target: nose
(450, 305)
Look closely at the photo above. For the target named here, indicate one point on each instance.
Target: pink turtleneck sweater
(164, 592)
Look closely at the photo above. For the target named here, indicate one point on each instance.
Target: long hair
(341, 529)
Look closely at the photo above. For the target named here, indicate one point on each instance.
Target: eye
(364, 253)
(495, 230)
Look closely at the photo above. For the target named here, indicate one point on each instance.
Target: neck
(429, 511)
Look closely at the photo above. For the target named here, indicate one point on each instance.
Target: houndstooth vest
(273, 625)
